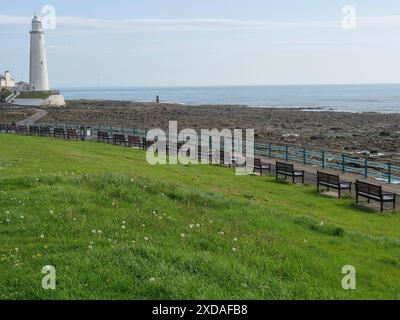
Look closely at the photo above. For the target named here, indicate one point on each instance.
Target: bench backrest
(257, 162)
(119, 137)
(59, 130)
(22, 128)
(284, 167)
(134, 139)
(44, 129)
(102, 134)
(328, 178)
(369, 188)
(72, 132)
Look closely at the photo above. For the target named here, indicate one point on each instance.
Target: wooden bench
(73, 134)
(44, 131)
(259, 165)
(287, 170)
(120, 139)
(225, 158)
(203, 152)
(11, 129)
(332, 181)
(103, 136)
(135, 142)
(33, 130)
(374, 192)
(147, 143)
(22, 129)
(59, 132)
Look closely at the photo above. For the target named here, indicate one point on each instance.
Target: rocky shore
(12, 114)
(337, 131)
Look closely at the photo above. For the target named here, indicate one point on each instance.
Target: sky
(124, 43)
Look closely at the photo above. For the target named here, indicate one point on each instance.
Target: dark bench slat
(287, 170)
(332, 181)
(135, 142)
(103, 136)
(73, 134)
(120, 139)
(374, 192)
(259, 165)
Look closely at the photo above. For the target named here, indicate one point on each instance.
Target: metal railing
(346, 163)
(381, 170)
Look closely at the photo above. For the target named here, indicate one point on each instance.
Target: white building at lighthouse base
(38, 99)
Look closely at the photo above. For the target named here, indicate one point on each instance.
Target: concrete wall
(56, 100)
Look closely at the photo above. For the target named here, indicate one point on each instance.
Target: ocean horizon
(382, 98)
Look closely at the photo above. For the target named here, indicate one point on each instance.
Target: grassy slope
(65, 190)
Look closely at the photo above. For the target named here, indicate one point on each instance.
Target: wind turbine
(99, 77)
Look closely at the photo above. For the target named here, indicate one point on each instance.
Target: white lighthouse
(38, 77)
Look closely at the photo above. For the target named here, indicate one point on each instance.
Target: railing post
(287, 153)
(304, 156)
(389, 172)
(323, 159)
(366, 168)
(343, 163)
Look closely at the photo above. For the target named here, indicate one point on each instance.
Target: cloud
(159, 25)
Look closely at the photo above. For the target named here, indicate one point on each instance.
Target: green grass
(191, 217)
(4, 93)
(34, 95)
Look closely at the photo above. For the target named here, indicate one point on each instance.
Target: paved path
(39, 114)
(311, 179)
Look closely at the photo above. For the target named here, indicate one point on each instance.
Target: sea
(381, 98)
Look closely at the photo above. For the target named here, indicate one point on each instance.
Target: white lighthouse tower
(38, 77)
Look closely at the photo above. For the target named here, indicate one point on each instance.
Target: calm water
(350, 98)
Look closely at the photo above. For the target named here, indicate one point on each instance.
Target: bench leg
(339, 193)
(381, 206)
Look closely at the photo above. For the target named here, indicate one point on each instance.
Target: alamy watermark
(226, 146)
(49, 280)
(48, 17)
(349, 21)
(349, 281)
